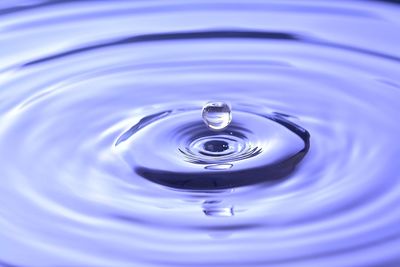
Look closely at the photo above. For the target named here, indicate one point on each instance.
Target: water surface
(105, 159)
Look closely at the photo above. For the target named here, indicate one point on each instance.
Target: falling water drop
(217, 115)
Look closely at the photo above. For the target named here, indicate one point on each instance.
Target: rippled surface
(105, 159)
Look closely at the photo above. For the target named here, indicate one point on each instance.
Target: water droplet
(217, 115)
(216, 208)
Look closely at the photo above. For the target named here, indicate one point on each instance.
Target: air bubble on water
(217, 115)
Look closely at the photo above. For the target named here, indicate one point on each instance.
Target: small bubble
(217, 115)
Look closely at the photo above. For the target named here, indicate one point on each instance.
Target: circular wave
(105, 159)
(183, 153)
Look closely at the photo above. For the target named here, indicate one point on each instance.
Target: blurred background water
(105, 159)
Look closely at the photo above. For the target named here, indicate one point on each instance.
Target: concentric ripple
(183, 153)
(105, 159)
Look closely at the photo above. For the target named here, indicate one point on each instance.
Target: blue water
(105, 160)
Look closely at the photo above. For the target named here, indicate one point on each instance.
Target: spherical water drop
(217, 115)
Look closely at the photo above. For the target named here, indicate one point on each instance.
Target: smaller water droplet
(215, 208)
(217, 115)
